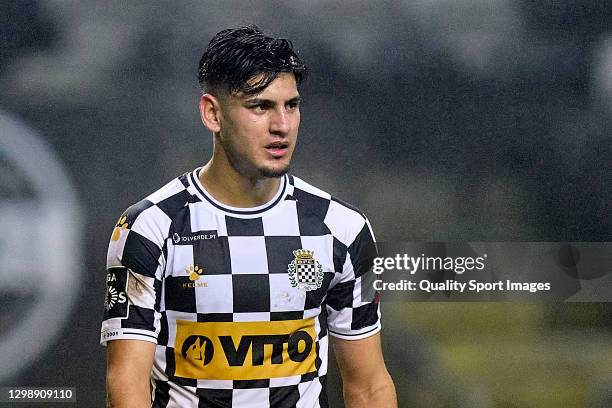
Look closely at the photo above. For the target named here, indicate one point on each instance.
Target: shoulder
(344, 220)
(150, 218)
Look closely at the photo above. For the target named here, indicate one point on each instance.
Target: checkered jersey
(240, 301)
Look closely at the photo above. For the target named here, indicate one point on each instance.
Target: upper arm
(133, 357)
(365, 379)
(359, 360)
(128, 373)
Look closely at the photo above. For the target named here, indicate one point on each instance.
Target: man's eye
(293, 105)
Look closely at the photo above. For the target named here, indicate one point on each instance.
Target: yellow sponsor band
(244, 350)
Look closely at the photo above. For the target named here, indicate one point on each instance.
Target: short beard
(274, 173)
(247, 170)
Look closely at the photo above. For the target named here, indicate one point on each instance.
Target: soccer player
(225, 286)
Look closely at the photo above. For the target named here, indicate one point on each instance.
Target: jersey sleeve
(352, 302)
(135, 266)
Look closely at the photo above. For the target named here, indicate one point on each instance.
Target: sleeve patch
(115, 300)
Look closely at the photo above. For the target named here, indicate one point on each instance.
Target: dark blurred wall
(473, 121)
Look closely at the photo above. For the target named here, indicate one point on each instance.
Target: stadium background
(473, 120)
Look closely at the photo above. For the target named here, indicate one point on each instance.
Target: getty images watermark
(532, 271)
(458, 265)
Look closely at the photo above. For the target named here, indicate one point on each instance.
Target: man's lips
(277, 149)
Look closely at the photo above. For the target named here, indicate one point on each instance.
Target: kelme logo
(194, 273)
(122, 224)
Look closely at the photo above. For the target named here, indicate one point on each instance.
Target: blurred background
(444, 120)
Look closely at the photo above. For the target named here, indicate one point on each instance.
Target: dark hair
(236, 56)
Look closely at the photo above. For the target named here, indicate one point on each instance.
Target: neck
(229, 187)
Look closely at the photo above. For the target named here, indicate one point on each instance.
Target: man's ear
(210, 112)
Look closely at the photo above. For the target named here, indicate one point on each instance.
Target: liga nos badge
(305, 272)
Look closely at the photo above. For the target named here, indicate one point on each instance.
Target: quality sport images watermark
(502, 271)
(458, 265)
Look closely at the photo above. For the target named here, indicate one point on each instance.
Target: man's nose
(280, 122)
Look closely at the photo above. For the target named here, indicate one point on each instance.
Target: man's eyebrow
(269, 102)
(257, 101)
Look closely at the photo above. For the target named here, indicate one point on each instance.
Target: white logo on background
(38, 207)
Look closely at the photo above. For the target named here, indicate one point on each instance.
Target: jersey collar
(207, 197)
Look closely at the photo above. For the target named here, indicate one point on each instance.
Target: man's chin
(274, 172)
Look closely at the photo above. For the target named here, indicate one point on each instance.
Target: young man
(225, 286)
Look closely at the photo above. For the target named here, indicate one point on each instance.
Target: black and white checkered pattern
(306, 272)
(242, 256)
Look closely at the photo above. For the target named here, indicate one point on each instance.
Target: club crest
(305, 272)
